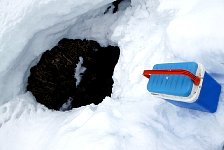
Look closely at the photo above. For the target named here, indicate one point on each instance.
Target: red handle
(187, 73)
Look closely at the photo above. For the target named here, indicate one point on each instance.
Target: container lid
(177, 85)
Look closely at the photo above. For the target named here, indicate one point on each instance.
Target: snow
(147, 32)
(67, 105)
(79, 70)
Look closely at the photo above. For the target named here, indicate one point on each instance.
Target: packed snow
(147, 32)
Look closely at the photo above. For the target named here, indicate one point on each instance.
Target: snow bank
(201, 29)
(148, 32)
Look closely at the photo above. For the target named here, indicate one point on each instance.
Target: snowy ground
(148, 32)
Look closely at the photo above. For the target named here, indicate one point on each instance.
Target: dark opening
(74, 73)
(116, 5)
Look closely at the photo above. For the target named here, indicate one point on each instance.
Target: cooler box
(184, 84)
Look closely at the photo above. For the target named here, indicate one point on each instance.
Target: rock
(52, 80)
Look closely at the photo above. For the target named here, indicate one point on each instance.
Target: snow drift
(147, 32)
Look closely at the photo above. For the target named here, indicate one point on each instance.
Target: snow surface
(147, 32)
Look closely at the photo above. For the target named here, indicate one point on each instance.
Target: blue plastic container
(180, 90)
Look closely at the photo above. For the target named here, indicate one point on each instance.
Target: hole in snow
(74, 73)
(118, 5)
